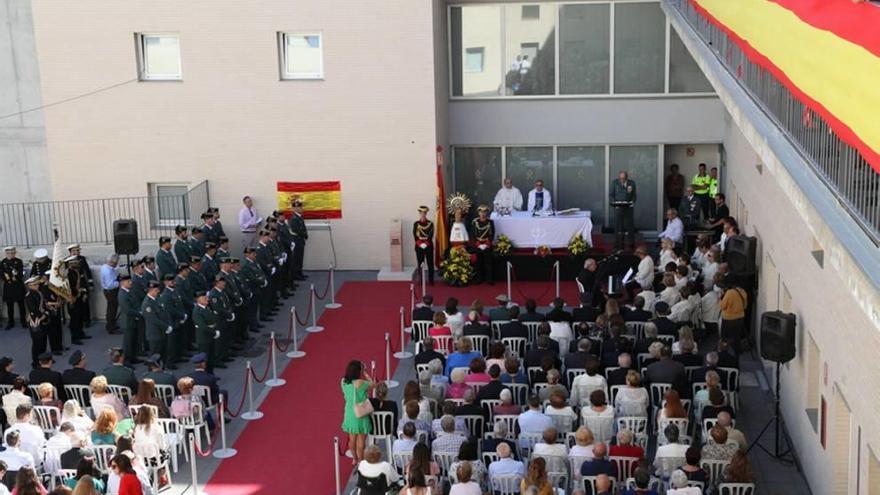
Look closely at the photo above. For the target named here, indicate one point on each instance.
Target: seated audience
(373, 466)
(103, 399)
(717, 447)
(599, 464)
(536, 479)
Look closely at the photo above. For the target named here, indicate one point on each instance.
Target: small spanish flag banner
(321, 200)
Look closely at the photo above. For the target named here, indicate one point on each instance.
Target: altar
(525, 230)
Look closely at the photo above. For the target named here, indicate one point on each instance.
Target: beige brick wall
(370, 123)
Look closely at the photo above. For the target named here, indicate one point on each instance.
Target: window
(584, 59)
(639, 48)
(525, 165)
(476, 27)
(158, 57)
(169, 204)
(529, 51)
(474, 60)
(685, 75)
(531, 12)
(581, 181)
(478, 173)
(301, 56)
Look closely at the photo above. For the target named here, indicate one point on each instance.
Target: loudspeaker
(125, 236)
(777, 336)
(740, 253)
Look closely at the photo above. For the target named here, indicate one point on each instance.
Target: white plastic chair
(173, 440)
(401, 460)
(636, 328)
(488, 405)
(527, 442)
(625, 466)
(444, 460)
(662, 423)
(736, 489)
(48, 417)
(517, 345)
(63, 475)
(601, 426)
(572, 373)
(511, 421)
(564, 424)
(658, 393)
(636, 424)
(165, 393)
(121, 391)
(496, 327)
(589, 484)
(558, 480)
(475, 423)
(103, 454)
(420, 329)
(481, 343)
(196, 423)
(532, 327)
(35, 394)
(653, 484)
(520, 392)
(506, 485)
(133, 410)
(714, 468)
(383, 428)
(82, 394)
(204, 393)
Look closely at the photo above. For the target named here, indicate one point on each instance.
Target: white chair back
(506, 484)
(732, 379)
(558, 480)
(714, 468)
(64, 475)
(422, 367)
(572, 373)
(205, 394)
(475, 423)
(488, 405)
(636, 328)
(489, 458)
(696, 484)
(653, 484)
(516, 345)
(637, 424)
(532, 327)
(48, 417)
(420, 329)
(625, 466)
(527, 442)
(481, 343)
(564, 424)
(658, 392)
(554, 463)
(165, 393)
(736, 489)
(401, 459)
(601, 426)
(669, 464)
(5, 389)
(133, 410)
(574, 466)
(662, 423)
(511, 421)
(383, 423)
(496, 327)
(121, 391)
(81, 394)
(444, 460)
(35, 393)
(103, 454)
(590, 485)
(520, 392)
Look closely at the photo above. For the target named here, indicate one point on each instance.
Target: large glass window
(640, 162)
(476, 50)
(685, 75)
(584, 48)
(582, 179)
(525, 165)
(478, 173)
(529, 49)
(639, 48)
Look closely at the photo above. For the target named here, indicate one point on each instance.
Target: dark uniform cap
(225, 259)
(196, 230)
(249, 250)
(213, 209)
(198, 358)
(124, 277)
(182, 266)
(149, 259)
(163, 240)
(210, 245)
(5, 361)
(201, 293)
(661, 307)
(194, 259)
(135, 263)
(45, 357)
(234, 260)
(179, 229)
(224, 239)
(154, 284)
(264, 232)
(219, 278)
(207, 215)
(168, 276)
(76, 357)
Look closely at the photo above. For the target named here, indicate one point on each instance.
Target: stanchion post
(424, 268)
(336, 464)
(509, 291)
(402, 353)
(557, 278)
(333, 304)
(388, 381)
(224, 452)
(295, 353)
(314, 328)
(192, 464)
(412, 305)
(275, 381)
(250, 415)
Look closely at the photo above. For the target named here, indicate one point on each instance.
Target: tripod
(778, 421)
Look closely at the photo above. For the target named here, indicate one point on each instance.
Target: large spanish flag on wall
(321, 200)
(826, 52)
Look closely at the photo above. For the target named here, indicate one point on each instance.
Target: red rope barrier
(265, 372)
(202, 453)
(283, 349)
(326, 288)
(243, 396)
(308, 311)
(523, 295)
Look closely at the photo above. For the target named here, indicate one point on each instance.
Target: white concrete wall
(848, 341)
(370, 123)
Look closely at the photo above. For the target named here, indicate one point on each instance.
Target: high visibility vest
(713, 187)
(701, 184)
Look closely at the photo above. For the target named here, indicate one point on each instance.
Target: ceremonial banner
(440, 221)
(321, 200)
(826, 52)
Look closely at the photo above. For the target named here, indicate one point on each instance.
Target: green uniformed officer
(280, 262)
(210, 267)
(255, 278)
(182, 250)
(215, 213)
(267, 264)
(301, 235)
(129, 314)
(183, 283)
(119, 374)
(150, 271)
(219, 303)
(139, 283)
(285, 242)
(165, 259)
(196, 242)
(250, 291)
(172, 300)
(211, 234)
(233, 294)
(197, 279)
(700, 183)
(155, 373)
(223, 248)
(207, 327)
(157, 321)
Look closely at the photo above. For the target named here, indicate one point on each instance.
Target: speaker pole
(777, 421)
(128, 263)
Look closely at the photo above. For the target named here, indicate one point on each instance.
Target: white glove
(423, 246)
(292, 246)
(183, 320)
(216, 334)
(168, 332)
(185, 317)
(273, 271)
(232, 317)
(483, 247)
(265, 283)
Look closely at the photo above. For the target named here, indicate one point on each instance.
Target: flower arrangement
(503, 246)
(456, 269)
(542, 250)
(577, 245)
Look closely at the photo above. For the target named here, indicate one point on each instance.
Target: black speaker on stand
(777, 344)
(125, 239)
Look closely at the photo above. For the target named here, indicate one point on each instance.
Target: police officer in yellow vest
(700, 183)
(713, 190)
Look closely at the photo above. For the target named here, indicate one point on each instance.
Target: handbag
(361, 409)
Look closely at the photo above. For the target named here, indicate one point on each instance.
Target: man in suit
(492, 390)
(165, 258)
(624, 365)
(473, 326)
(558, 313)
(7, 373)
(155, 373)
(541, 350)
(599, 464)
(470, 407)
(664, 325)
(711, 365)
(637, 313)
(78, 451)
(531, 313)
(667, 370)
(424, 311)
(500, 312)
(687, 357)
(78, 374)
(580, 358)
(429, 354)
(201, 376)
(45, 374)
(117, 373)
(514, 328)
(586, 311)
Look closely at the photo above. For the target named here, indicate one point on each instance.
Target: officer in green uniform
(223, 248)
(156, 320)
(215, 213)
(255, 278)
(197, 279)
(301, 235)
(286, 243)
(207, 326)
(267, 264)
(700, 184)
(233, 295)
(150, 271)
(183, 283)
(210, 267)
(165, 258)
(713, 191)
(182, 249)
(249, 292)
(172, 301)
(129, 314)
(138, 292)
(219, 303)
(423, 237)
(211, 234)
(196, 242)
(155, 373)
(281, 263)
(119, 374)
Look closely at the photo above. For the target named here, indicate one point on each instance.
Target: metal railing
(840, 166)
(91, 220)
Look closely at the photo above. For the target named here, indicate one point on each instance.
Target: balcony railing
(840, 166)
(91, 220)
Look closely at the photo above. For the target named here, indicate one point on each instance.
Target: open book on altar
(568, 211)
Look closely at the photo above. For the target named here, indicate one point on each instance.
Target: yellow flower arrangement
(542, 251)
(456, 269)
(503, 246)
(577, 245)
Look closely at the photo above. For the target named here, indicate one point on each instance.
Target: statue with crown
(457, 269)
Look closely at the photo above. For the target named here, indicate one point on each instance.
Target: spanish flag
(826, 52)
(321, 200)
(440, 223)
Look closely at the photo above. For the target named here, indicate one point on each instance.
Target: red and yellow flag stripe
(321, 200)
(827, 53)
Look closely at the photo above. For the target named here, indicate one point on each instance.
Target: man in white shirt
(249, 223)
(17, 397)
(533, 420)
(13, 456)
(505, 465)
(539, 198)
(508, 197)
(32, 439)
(645, 275)
(674, 228)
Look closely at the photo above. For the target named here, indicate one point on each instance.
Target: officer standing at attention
(165, 259)
(209, 261)
(172, 301)
(207, 328)
(423, 235)
(129, 315)
(86, 274)
(183, 285)
(249, 295)
(700, 183)
(219, 303)
(150, 272)
(37, 318)
(196, 277)
(215, 214)
(54, 308)
(196, 242)
(483, 235)
(208, 229)
(157, 321)
(42, 263)
(182, 250)
(223, 248)
(300, 235)
(12, 269)
(236, 304)
(623, 196)
(266, 261)
(255, 278)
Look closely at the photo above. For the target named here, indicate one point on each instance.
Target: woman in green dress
(356, 385)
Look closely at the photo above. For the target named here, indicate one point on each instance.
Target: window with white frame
(302, 55)
(474, 59)
(169, 203)
(158, 56)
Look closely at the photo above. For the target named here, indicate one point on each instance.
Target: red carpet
(289, 449)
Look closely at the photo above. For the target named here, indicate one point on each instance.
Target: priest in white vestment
(539, 198)
(508, 198)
